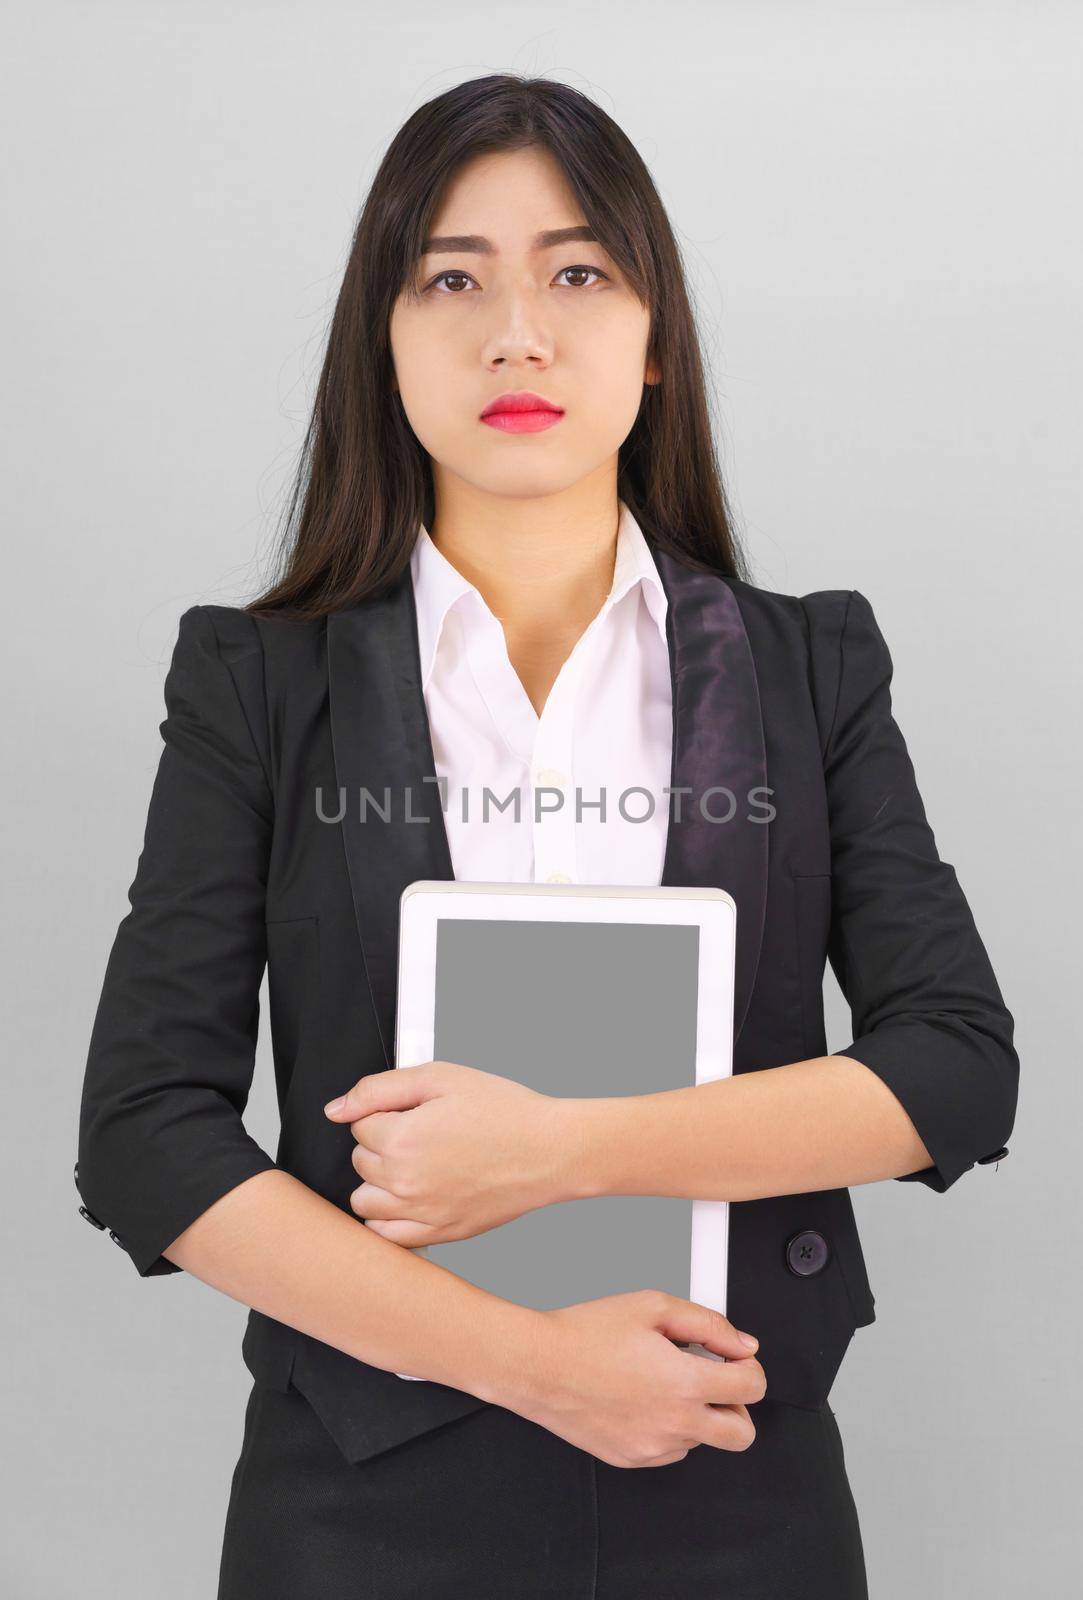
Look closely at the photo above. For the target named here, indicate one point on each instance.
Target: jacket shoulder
(231, 628)
(819, 611)
(808, 628)
(240, 634)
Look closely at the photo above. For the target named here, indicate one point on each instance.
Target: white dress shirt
(606, 729)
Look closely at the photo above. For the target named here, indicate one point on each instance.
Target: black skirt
(493, 1507)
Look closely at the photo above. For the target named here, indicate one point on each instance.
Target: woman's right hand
(607, 1376)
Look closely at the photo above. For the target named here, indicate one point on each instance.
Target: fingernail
(748, 1338)
(336, 1105)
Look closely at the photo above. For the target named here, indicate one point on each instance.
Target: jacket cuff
(144, 1230)
(939, 1071)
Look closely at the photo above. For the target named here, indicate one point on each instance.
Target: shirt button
(558, 877)
(551, 777)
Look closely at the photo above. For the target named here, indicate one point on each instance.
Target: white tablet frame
(427, 901)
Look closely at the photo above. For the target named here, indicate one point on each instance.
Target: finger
(371, 1130)
(394, 1090)
(368, 1165)
(727, 1383)
(409, 1234)
(728, 1428)
(371, 1201)
(687, 1320)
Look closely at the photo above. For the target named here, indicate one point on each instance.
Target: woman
(509, 564)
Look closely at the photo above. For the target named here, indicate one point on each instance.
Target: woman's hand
(448, 1151)
(610, 1377)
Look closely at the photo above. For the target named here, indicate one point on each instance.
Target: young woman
(509, 565)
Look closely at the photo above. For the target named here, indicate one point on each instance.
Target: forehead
(507, 200)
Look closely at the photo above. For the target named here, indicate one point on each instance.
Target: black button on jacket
(783, 698)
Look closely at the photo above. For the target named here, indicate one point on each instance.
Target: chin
(523, 480)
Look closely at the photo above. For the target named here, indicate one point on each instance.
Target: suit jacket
(771, 692)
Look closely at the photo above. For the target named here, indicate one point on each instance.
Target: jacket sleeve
(927, 1013)
(172, 1049)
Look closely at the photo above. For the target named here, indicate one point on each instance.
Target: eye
(456, 274)
(594, 271)
(448, 274)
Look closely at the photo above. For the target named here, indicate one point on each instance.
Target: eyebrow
(459, 243)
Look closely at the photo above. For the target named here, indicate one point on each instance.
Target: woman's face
(501, 311)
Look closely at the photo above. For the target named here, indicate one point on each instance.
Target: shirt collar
(438, 586)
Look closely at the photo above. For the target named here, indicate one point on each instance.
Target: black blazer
(771, 692)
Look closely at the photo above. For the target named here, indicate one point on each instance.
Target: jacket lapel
(717, 741)
(381, 741)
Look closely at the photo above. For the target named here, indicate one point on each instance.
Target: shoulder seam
(257, 645)
(842, 664)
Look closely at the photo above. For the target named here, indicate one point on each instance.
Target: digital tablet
(582, 991)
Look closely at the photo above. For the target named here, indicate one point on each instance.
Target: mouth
(521, 412)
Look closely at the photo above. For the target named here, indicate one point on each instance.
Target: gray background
(876, 203)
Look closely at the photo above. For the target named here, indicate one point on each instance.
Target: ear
(653, 373)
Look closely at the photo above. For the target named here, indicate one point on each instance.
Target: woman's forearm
(826, 1123)
(274, 1244)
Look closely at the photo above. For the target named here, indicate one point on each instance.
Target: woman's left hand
(448, 1151)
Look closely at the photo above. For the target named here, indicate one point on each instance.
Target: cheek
(421, 360)
(428, 394)
(433, 421)
(612, 357)
(609, 403)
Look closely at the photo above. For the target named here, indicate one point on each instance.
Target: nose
(519, 331)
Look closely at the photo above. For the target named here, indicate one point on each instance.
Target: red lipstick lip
(520, 401)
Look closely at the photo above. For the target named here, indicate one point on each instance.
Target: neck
(543, 564)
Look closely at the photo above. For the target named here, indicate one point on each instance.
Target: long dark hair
(364, 480)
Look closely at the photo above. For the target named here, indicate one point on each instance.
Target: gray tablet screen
(584, 1010)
